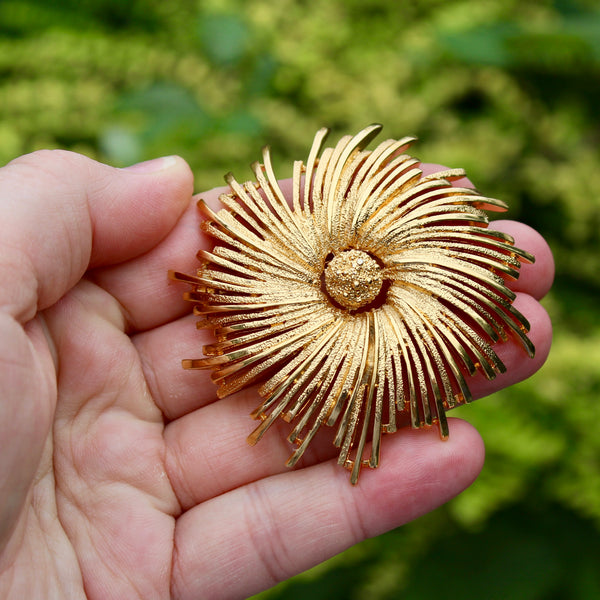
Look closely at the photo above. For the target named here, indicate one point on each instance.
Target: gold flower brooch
(370, 293)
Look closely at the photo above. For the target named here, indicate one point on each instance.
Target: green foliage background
(507, 89)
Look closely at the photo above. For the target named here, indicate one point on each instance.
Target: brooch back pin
(373, 291)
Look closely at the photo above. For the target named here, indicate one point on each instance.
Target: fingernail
(154, 165)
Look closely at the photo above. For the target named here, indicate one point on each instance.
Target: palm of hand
(125, 479)
(102, 496)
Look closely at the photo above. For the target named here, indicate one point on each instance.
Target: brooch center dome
(353, 279)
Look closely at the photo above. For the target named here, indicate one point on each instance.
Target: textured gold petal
(372, 292)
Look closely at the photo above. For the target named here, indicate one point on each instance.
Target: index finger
(150, 299)
(178, 392)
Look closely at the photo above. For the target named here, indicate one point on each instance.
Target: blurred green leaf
(160, 98)
(224, 37)
(512, 559)
(484, 45)
(121, 145)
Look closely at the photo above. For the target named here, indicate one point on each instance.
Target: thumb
(61, 213)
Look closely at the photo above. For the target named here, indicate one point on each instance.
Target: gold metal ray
(327, 351)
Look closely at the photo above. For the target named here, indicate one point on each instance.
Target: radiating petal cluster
(373, 291)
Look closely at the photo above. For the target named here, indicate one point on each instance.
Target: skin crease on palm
(120, 475)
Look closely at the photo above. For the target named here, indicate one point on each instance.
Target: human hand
(120, 475)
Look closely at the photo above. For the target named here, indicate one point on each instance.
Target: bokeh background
(508, 89)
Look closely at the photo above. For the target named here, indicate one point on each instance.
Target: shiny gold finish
(374, 291)
(353, 279)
